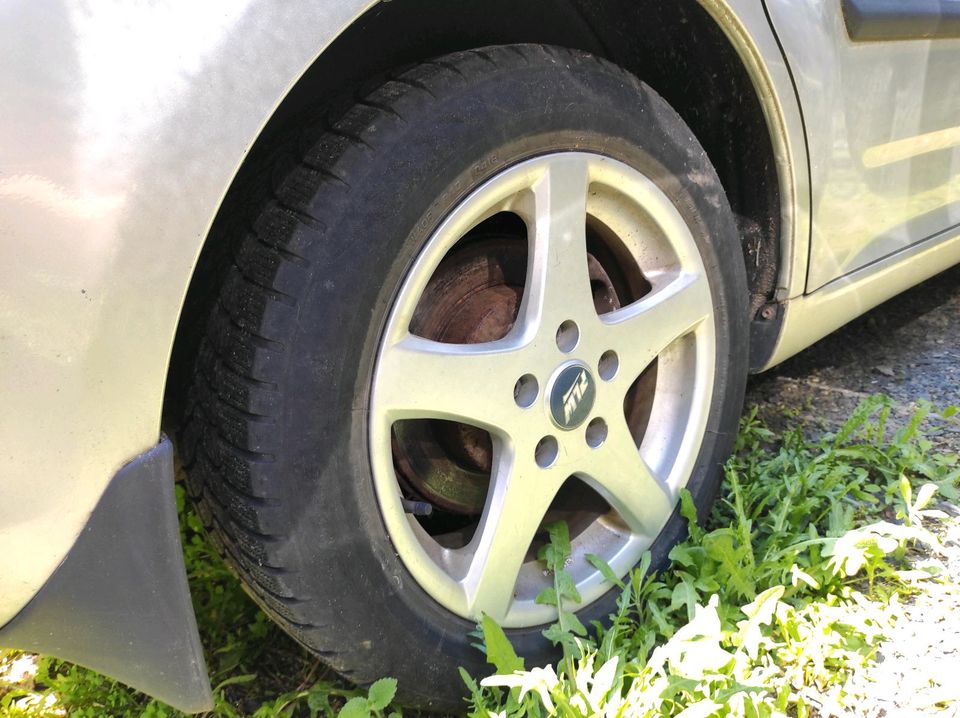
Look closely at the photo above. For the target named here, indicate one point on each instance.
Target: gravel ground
(908, 348)
(918, 668)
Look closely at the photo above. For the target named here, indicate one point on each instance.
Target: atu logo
(573, 396)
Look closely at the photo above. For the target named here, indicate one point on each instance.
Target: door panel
(883, 132)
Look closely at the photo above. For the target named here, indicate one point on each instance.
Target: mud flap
(119, 602)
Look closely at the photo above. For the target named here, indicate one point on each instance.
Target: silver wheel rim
(415, 378)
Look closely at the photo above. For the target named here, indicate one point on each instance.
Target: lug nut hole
(609, 365)
(596, 432)
(546, 452)
(568, 336)
(526, 390)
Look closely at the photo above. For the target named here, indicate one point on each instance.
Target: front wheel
(503, 289)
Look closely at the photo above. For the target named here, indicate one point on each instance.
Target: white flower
(539, 680)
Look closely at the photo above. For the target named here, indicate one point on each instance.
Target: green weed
(787, 589)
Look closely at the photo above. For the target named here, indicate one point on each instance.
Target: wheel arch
(716, 64)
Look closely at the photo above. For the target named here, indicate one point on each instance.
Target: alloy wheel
(550, 354)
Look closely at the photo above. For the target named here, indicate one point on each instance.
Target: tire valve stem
(417, 508)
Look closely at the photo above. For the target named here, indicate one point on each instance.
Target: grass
(767, 609)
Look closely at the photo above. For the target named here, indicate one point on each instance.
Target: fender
(147, 113)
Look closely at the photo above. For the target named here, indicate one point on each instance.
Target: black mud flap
(119, 602)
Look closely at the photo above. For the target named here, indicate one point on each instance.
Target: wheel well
(672, 45)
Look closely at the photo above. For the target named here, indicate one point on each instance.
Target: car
(391, 285)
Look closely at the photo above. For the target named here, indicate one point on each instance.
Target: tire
(277, 445)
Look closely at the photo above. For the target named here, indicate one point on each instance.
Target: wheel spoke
(628, 484)
(642, 330)
(558, 283)
(472, 383)
(516, 504)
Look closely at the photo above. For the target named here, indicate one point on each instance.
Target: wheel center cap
(572, 396)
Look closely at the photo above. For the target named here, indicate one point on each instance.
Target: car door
(879, 86)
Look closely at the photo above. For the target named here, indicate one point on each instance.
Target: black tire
(275, 445)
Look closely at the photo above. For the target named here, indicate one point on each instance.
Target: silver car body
(122, 125)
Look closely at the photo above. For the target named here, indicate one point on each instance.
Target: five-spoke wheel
(554, 388)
